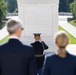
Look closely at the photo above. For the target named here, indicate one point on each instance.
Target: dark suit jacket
(17, 59)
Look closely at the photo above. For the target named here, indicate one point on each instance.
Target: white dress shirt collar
(13, 37)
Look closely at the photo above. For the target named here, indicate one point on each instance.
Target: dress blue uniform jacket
(17, 59)
(39, 48)
(55, 65)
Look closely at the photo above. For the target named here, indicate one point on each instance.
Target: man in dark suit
(39, 47)
(15, 57)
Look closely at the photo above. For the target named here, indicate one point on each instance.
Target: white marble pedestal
(39, 16)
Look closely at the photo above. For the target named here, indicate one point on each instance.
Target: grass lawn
(4, 39)
(72, 23)
(72, 39)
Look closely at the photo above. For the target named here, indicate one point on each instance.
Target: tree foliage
(12, 5)
(3, 9)
(73, 9)
(64, 5)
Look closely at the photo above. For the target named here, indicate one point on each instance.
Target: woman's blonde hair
(62, 34)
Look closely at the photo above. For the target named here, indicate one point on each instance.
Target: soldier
(39, 47)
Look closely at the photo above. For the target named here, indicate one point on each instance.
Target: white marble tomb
(39, 16)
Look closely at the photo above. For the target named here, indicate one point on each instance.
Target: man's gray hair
(12, 25)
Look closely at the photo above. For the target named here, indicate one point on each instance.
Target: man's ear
(17, 30)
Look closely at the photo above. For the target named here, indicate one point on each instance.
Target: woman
(61, 63)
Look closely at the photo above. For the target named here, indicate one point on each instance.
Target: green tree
(73, 9)
(70, 1)
(12, 5)
(3, 9)
(64, 5)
